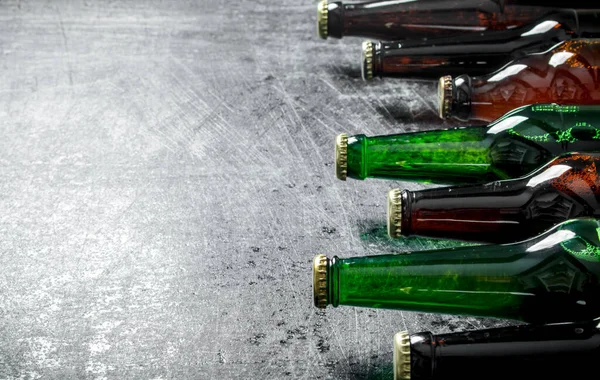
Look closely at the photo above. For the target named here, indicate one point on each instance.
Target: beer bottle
(569, 73)
(475, 54)
(401, 19)
(551, 278)
(520, 142)
(502, 211)
(559, 351)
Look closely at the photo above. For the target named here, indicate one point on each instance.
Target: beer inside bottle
(568, 74)
(399, 19)
(552, 278)
(502, 211)
(520, 142)
(475, 54)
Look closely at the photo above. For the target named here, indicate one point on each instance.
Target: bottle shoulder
(537, 120)
(579, 238)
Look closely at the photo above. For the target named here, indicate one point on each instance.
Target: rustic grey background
(166, 177)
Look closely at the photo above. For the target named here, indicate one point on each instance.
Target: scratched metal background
(166, 177)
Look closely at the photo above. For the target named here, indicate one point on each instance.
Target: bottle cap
(445, 96)
(322, 15)
(367, 60)
(341, 156)
(320, 281)
(402, 356)
(394, 213)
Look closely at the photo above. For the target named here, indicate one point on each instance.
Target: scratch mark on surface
(311, 114)
(378, 100)
(429, 107)
(403, 320)
(65, 45)
(344, 353)
(299, 121)
(330, 85)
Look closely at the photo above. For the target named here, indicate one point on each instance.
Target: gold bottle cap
(322, 15)
(320, 281)
(341, 156)
(367, 60)
(394, 213)
(402, 356)
(445, 96)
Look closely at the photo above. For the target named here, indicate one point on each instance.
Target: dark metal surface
(166, 177)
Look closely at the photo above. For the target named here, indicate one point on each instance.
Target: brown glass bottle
(559, 351)
(502, 211)
(568, 74)
(400, 19)
(475, 54)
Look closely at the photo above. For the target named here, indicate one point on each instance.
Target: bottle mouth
(445, 96)
(322, 16)
(341, 156)
(367, 61)
(402, 356)
(320, 281)
(394, 213)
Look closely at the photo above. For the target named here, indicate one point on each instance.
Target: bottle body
(475, 54)
(518, 143)
(395, 20)
(549, 352)
(548, 279)
(568, 74)
(503, 211)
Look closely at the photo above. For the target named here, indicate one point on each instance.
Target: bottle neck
(422, 59)
(437, 281)
(477, 54)
(333, 281)
(542, 351)
(394, 20)
(459, 155)
(498, 212)
(460, 101)
(493, 213)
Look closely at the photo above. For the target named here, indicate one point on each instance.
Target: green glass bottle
(551, 278)
(516, 144)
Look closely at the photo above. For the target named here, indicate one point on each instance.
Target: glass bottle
(475, 54)
(402, 19)
(560, 351)
(502, 211)
(568, 73)
(521, 141)
(552, 278)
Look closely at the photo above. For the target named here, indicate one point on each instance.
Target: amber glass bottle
(568, 74)
(503, 211)
(401, 19)
(475, 54)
